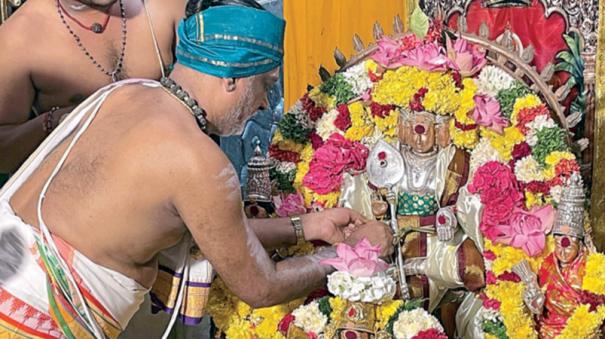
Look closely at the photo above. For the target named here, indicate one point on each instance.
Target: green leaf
(566, 57)
(324, 306)
(419, 23)
(573, 42)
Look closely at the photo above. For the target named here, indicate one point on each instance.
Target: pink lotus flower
(466, 58)
(430, 57)
(487, 113)
(527, 230)
(360, 261)
(290, 205)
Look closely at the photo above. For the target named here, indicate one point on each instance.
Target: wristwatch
(298, 229)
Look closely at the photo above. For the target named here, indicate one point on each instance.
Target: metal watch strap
(298, 229)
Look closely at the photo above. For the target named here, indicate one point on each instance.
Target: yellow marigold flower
(528, 101)
(532, 199)
(306, 154)
(371, 65)
(242, 308)
(387, 123)
(322, 99)
(517, 320)
(307, 194)
(329, 200)
(583, 323)
(504, 142)
(358, 114)
(289, 145)
(398, 86)
(301, 170)
(277, 137)
(338, 306)
(385, 311)
(265, 321)
(594, 280)
(467, 103)
(357, 133)
(490, 336)
(464, 139)
(239, 330)
(555, 157)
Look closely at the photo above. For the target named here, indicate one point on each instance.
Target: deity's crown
(569, 219)
(438, 119)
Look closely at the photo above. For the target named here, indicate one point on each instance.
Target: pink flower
(285, 323)
(487, 113)
(489, 255)
(527, 230)
(492, 304)
(360, 261)
(390, 52)
(465, 57)
(431, 333)
(429, 56)
(331, 160)
(490, 278)
(290, 205)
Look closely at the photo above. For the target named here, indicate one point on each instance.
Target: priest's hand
(331, 225)
(377, 233)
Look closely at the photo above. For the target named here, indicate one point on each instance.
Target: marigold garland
(583, 323)
(594, 280)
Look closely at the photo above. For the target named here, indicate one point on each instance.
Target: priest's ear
(230, 84)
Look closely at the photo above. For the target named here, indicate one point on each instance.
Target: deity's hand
(331, 225)
(534, 298)
(446, 223)
(377, 233)
(379, 208)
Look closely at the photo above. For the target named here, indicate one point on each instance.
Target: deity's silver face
(566, 248)
(418, 132)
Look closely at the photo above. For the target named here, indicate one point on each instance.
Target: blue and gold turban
(231, 41)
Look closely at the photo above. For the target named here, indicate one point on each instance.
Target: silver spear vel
(385, 169)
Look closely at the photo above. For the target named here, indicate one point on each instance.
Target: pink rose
(527, 230)
(331, 160)
(465, 57)
(487, 113)
(290, 205)
(360, 261)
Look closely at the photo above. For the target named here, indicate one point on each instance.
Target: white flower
(285, 167)
(492, 80)
(541, 121)
(411, 322)
(375, 289)
(357, 76)
(555, 193)
(301, 115)
(325, 126)
(309, 318)
(528, 170)
(483, 152)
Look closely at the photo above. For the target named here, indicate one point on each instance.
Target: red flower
(491, 303)
(285, 323)
(343, 120)
(566, 167)
(457, 79)
(281, 155)
(432, 333)
(464, 127)
(316, 140)
(489, 255)
(315, 112)
(379, 110)
(528, 115)
(594, 300)
(416, 103)
(537, 187)
(374, 77)
(509, 276)
(521, 150)
(490, 278)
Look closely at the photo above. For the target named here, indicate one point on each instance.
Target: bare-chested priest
(114, 199)
(55, 53)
